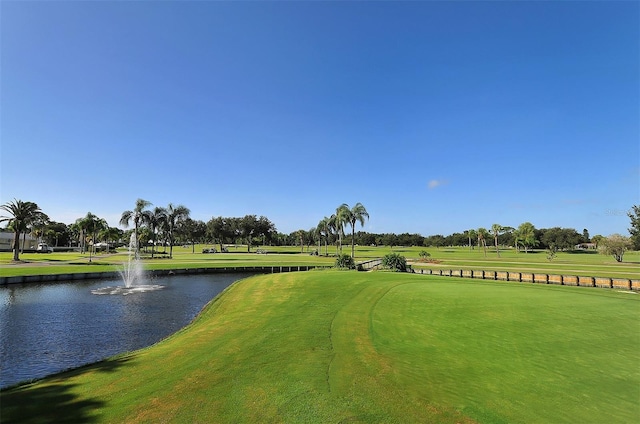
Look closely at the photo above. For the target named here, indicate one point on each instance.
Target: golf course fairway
(375, 347)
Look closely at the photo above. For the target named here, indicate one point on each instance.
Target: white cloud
(436, 183)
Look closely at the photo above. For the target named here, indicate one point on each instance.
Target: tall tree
(472, 236)
(634, 216)
(340, 220)
(616, 245)
(157, 220)
(496, 230)
(175, 215)
(139, 215)
(358, 213)
(248, 226)
(20, 215)
(526, 236)
(483, 234)
(324, 230)
(91, 225)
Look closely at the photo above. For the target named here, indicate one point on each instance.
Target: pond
(51, 327)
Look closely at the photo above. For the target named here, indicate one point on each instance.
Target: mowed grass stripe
(337, 346)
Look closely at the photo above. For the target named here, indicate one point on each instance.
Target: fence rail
(157, 273)
(537, 278)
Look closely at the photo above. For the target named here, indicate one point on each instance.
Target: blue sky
(437, 116)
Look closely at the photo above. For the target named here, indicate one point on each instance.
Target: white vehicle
(44, 248)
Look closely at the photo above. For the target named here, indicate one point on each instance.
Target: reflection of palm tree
(139, 216)
(358, 213)
(21, 215)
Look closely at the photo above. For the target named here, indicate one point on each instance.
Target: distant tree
(496, 230)
(597, 240)
(561, 238)
(358, 213)
(175, 215)
(634, 230)
(340, 219)
(300, 235)
(525, 235)
(483, 234)
(20, 215)
(324, 231)
(585, 235)
(471, 234)
(248, 226)
(110, 235)
(616, 245)
(139, 215)
(157, 219)
(58, 234)
(91, 225)
(220, 230)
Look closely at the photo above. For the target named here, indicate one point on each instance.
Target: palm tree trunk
(16, 246)
(353, 240)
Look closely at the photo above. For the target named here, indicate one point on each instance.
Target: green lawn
(331, 346)
(586, 263)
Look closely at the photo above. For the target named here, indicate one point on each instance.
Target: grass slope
(332, 346)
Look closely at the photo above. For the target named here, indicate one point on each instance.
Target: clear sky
(437, 116)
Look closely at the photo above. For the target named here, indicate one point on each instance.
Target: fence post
(610, 283)
(561, 280)
(630, 285)
(593, 281)
(546, 278)
(520, 277)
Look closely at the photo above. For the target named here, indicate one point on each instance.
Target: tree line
(168, 226)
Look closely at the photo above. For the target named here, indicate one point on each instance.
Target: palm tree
(91, 224)
(156, 220)
(175, 216)
(482, 239)
(324, 230)
(526, 235)
(340, 218)
(472, 235)
(496, 230)
(358, 213)
(21, 214)
(139, 216)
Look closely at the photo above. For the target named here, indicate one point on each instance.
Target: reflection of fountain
(131, 274)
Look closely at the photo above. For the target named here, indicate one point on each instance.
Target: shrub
(424, 255)
(345, 261)
(395, 262)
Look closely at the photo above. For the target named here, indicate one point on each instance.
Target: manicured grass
(589, 264)
(331, 346)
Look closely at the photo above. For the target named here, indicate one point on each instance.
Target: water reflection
(47, 328)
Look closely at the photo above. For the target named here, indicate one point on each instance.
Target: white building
(6, 241)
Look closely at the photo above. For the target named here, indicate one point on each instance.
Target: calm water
(47, 328)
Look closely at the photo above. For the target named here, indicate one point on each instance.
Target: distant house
(6, 242)
(585, 246)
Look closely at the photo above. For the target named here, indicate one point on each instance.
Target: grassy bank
(330, 346)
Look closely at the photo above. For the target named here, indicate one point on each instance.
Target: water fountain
(132, 274)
